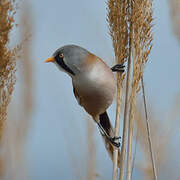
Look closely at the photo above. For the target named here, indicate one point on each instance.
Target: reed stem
(125, 122)
(149, 133)
(117, 122)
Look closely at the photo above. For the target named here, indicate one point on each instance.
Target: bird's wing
(77, 96)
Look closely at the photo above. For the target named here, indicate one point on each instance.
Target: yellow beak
(51, 59)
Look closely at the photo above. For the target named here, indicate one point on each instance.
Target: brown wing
(77, 96)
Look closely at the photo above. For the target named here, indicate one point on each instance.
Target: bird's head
(69, 58)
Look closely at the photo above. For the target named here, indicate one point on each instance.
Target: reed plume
(142, 43)
(118, 28)
(18, 124)
(7, 59)
(130, 24)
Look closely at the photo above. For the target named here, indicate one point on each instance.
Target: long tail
(106, 124)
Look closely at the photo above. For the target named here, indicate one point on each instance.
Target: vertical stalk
(117, 123)
(149, 132)
(125, 125)
(131, 118)
(125, 122)
(129, 153)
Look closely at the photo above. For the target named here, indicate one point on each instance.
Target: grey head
(69, 58)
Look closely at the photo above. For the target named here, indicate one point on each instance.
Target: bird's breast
(96, 88)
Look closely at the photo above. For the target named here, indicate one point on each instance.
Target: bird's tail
(106, 124)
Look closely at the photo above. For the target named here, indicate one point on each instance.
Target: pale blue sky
(58, 122)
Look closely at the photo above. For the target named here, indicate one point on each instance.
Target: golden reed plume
(118, 28)
(142, 36)
(14, 133)
(7, 59)
(130, 24)
(7, 66)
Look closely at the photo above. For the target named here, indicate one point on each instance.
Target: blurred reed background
(78, 152)
(7, 70)
(17, 121)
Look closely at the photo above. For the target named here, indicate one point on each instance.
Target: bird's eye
(61, 55)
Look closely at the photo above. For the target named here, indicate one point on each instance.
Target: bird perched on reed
(93, 86)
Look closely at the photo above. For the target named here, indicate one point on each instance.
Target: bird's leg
(116, 138)
(111, 139)
(118, 68)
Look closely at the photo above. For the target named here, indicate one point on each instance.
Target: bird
(94, 87)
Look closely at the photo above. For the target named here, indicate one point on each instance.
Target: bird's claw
(113, 141)
(118, 68)
(116, 138)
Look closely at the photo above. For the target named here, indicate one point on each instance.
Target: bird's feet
(114, 141)
(118, 68)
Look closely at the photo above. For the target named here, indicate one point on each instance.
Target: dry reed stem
(117, 122)
(125, 126)
(118, 29)
(163, 131)
(135, 149)
(149, 133)
(141, 16)
(137, 43)
(175, 16)
(161, 146)
(128, 80)
(120, 79)
(130, 128)
(141, 127)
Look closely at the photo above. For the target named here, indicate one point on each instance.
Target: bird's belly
(96, 103)
(96, 94)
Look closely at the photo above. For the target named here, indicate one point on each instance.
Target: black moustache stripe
(64, 66)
